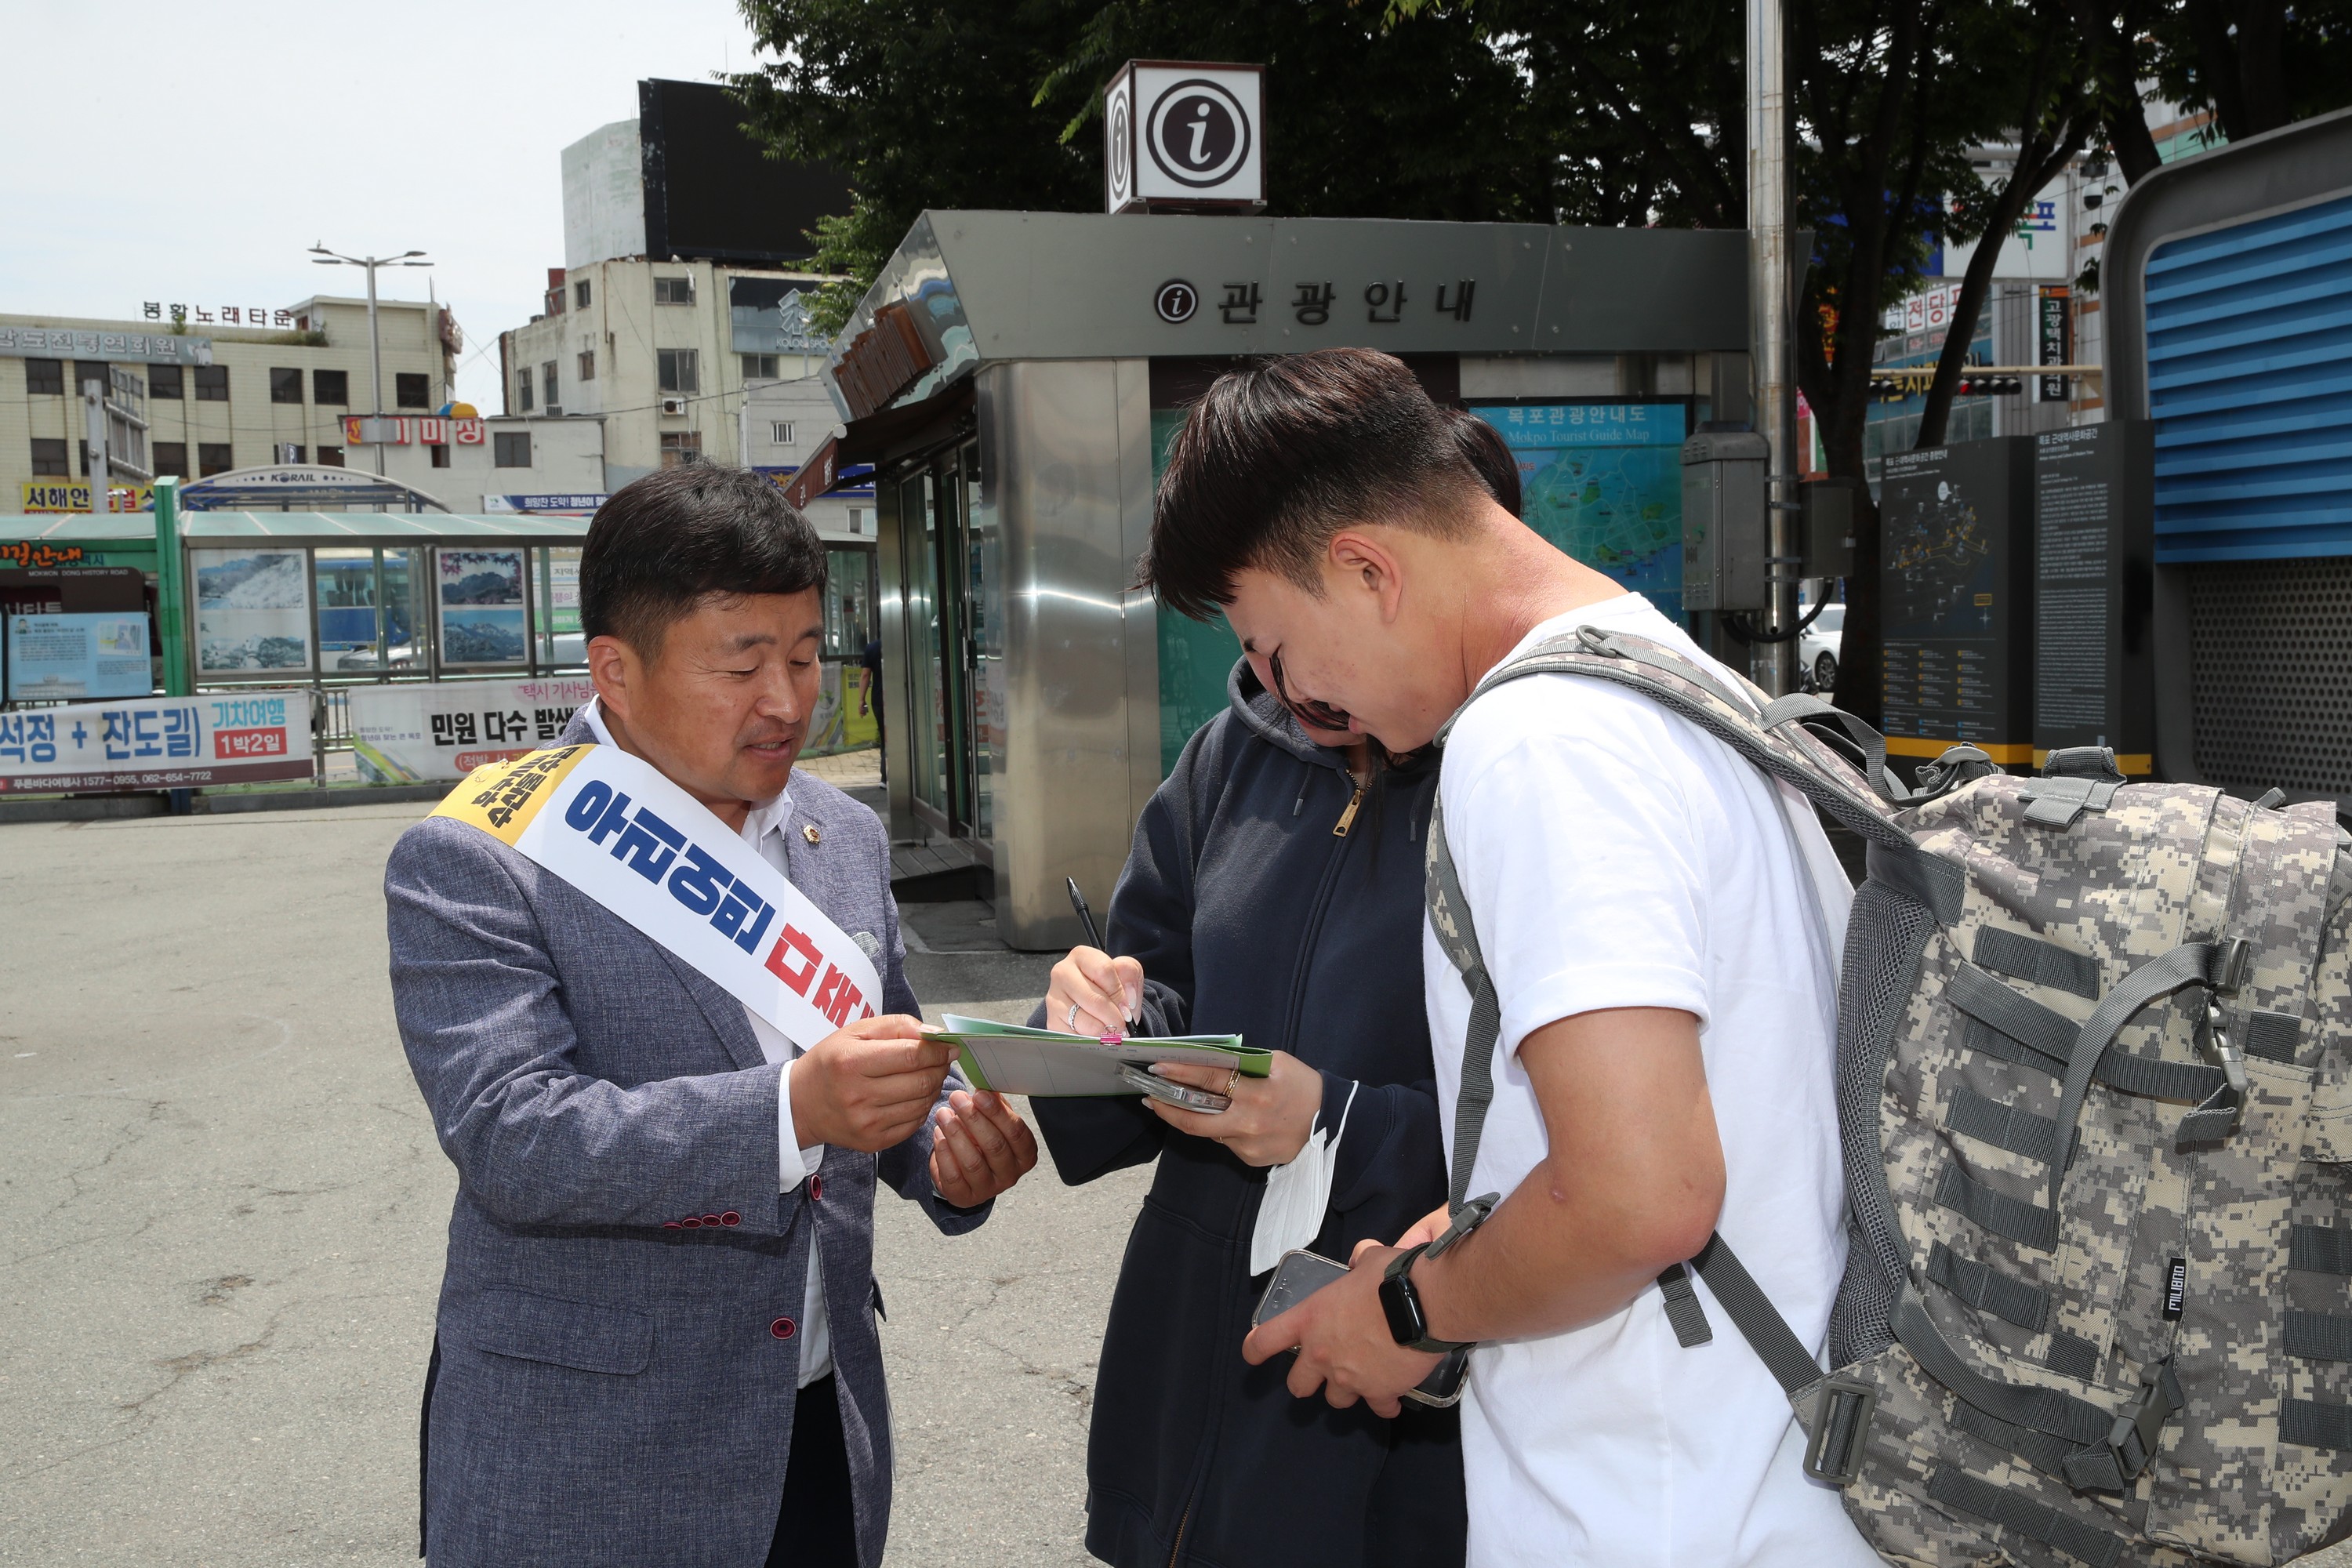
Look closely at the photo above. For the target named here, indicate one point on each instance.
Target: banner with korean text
(404, 733)
(156, 743)
(613, 826)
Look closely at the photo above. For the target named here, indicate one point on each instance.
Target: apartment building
(273, 388)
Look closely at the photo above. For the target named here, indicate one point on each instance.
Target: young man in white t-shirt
(1661, 925)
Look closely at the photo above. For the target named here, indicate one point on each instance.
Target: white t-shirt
(1616, 855)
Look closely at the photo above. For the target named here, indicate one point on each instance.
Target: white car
(1817, 648)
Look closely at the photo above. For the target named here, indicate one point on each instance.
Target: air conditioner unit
(673, 405)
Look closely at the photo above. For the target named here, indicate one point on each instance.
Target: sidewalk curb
(113, 807)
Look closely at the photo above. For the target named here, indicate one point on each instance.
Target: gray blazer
(613, 1389)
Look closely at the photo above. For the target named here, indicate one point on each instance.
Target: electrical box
(1829, 526)
(1722, 521)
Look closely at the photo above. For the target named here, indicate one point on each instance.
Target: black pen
(1086, 915)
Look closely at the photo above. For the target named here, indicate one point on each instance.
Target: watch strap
(1399, 1275)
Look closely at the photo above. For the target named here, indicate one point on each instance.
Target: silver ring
(1073, 1017)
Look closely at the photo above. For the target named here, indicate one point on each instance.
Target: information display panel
(2094, 591)
(1957, 599)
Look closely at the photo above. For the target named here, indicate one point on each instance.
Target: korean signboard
(156, 743)
(78, 657)
(73, 495)
(445, 729)
(436, 430)
(89, 343)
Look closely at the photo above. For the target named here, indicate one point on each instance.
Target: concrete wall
(625, 329)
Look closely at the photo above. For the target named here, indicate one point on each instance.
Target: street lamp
(322, 257)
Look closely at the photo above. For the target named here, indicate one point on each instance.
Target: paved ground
(221, 1211)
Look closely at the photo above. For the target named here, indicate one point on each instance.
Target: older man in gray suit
(656, 1340)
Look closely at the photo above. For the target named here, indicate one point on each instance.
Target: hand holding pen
(1091, 992)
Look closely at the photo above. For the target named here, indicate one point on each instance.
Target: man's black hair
(1491, 455)
(1277, 457)
(664, 543)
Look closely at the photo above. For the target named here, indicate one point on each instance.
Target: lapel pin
(809, 832)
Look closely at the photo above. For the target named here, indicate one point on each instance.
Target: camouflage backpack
(2095, 1087)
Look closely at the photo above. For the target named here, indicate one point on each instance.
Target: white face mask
(1291, 1214)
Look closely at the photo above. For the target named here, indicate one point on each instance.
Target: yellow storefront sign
(73, 495)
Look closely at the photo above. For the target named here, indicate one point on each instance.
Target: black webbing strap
(2039, 1409)
(1868, 742)
(2218, 965)
(2043, 1452)
(1987, 1290)
(2071, 1355)
(1449, 917)
(2319, 1250)
(2012, 1510)
(1759, 1322)
(2308, 1424)
(2030, 958)
(1683, 1308)
(2009, 1127)
(2318, 1336)
(1929, 880)
(1996, 1212)
(2019, 1029)
(2273, 1036)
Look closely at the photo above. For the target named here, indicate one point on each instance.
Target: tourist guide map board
(1603, 481)
(1956, 582)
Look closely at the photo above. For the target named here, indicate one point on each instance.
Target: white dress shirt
(764, 830)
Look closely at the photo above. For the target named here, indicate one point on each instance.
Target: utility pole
(321, 255)
(1773, 665)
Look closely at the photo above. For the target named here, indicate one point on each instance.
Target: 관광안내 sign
(156, 743)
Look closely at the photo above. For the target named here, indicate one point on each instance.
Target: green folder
(1012, 1059)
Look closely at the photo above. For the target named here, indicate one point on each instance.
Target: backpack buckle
(2113, 1465)
(1842, 1414)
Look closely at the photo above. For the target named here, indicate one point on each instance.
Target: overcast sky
(194, 152)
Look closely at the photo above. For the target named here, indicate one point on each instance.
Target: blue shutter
(2249, 387)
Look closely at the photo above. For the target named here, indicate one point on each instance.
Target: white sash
(613, 827)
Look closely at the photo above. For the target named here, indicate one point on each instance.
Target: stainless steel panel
(1136, 484)
(1052, 474)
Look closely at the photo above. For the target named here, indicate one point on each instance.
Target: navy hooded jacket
(1251, 915)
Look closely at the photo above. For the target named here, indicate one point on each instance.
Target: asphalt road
(221, 1211)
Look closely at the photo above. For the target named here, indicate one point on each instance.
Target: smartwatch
(1401, 1303)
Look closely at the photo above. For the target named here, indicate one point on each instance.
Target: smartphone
(1182, 1095)
(1302, 1273)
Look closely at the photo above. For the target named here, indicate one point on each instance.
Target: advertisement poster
(480, 597)
(843, 721)
(1604, 482)
(78, 656)
(156, 743)
(253, 611)
(445, 730)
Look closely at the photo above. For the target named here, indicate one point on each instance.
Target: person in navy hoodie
(1274, 891)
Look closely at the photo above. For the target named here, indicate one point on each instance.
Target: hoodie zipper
(1347, 817)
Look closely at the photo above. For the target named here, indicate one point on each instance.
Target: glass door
(981, 610)
(927, 719)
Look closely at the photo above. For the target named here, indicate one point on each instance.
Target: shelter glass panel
(351, 635)
(479, 594)
(402, 594)
(983, 607)
(849, 622)
(253, 611)
(562, 644)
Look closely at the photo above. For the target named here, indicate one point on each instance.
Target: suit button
(781, 1328)
(730, 1217)
(691, 1223)
(712, 1219)
(816, 1189)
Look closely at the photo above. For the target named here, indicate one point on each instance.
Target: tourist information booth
(1015, 378)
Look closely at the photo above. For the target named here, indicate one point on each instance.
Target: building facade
(217, 397)
(505, 463)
